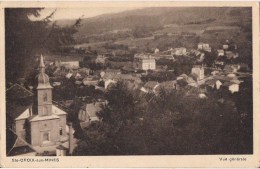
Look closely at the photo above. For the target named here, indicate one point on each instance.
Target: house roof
(14, 149)
(20, 150)
(229, 83)
(61, 147)
(15, 109)
(93, 108)
(168, 84)
(17, 92)
(113, 71)
(151, 84)
(211, 82)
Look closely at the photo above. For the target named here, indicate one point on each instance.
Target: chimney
(71, 146)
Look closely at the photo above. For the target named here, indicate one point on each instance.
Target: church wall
(41, 95)
(20, 131)
(38, 128)
(63, 124)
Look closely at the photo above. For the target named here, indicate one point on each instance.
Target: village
(87, 84)
(150, 81)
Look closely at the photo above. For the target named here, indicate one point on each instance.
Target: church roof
(40, 118)
(43, 78)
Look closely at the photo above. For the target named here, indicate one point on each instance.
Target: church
(38, 124)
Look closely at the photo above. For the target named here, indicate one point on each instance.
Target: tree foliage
(25, 38)
(176, 122)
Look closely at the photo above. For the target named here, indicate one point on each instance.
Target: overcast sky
(74, 13)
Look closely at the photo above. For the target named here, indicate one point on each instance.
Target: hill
(156, 17)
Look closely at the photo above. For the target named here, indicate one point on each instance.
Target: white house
(69, 75)
(204, 46)
(146, 64)
(232, 87)
(71, 64)
(156, 50)
(179, 51)
(218, 84)
(221, 52)
(107, 82)
(199, 71)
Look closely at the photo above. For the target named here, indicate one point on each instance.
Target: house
(198, 71)
(90, 81)
(108, 82)
(77, 75)
(204, 47)
(77, 82)
(169, 85)
(34, 118)
(101, 59)
(225, 46)
(215, 72)
(214, 83)
(56, 84)
(113, 71)
(231, 55)
(69, 75)
(150, 87)
(84, 71)
(244, 66)
(142, 56)
(88, 112)
(156, 50)
(233, 68)
(70, 64)
(231, 86)
(146, 64)
(16, 146)
(221, 52)
(178, 51)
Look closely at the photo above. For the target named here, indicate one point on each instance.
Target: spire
(43, 79)
(42, 66)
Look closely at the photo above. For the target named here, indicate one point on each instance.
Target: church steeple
(43, 79)
(42, 66)
(44, 91)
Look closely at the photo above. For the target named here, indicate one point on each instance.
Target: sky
(75, 13)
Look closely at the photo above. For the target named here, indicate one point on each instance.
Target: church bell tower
(44, 92)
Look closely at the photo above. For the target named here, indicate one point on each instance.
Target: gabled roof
(93, 108)
(151, 84)
(14, 110)
(17, 92)
(17, 149)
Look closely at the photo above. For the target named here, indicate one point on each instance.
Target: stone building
(36, 121)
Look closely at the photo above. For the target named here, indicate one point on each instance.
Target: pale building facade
(199, 71)
(147, 64)
(40, 124)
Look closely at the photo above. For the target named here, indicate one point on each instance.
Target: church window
(46, 136)
(61, 131)
(45, 97)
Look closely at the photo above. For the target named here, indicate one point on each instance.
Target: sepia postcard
(130, 84)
